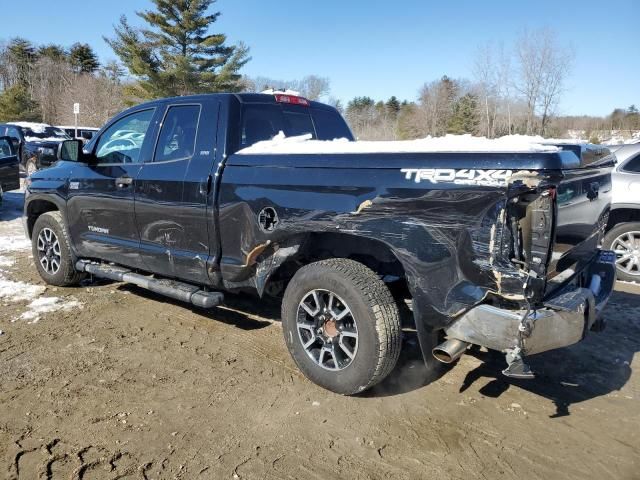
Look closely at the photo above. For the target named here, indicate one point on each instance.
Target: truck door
(173, 193)
(100, 205)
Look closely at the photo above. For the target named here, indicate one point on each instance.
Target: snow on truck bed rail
(303, 144)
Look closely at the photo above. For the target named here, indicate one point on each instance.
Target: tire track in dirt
(54, 460)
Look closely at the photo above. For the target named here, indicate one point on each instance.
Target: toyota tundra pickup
(193, 197)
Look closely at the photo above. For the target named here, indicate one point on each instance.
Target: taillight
(292, 100)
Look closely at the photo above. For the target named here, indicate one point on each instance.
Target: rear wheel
(624, 240)
(52, 251)
(341, 325)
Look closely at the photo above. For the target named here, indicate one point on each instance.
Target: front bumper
(564, 319)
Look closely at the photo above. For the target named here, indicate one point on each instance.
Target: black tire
(66, 275)
(373, 311)
(608, 243)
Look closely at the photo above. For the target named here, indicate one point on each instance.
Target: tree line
(514, 90)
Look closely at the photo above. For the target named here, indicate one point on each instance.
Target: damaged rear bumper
(564, 319)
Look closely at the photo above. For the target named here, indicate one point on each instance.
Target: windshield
(46, 133)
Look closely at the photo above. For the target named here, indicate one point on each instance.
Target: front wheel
(624, 240)
(341, 325)
(52, 251)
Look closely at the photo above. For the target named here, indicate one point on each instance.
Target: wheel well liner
(37, 207)
(314, 247)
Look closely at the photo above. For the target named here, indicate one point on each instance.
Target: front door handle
(123, 182)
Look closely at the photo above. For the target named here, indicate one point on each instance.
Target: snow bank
(303, 144)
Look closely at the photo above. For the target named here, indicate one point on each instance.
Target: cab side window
(122, 141)
(177, 138)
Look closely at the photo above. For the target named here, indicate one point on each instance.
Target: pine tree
(464, 118)
(22, 54)
(83, 59)
(177, 54)
(393, 107)
(52, 51)
(16, 104)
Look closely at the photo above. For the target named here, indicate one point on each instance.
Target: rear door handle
(123, 182)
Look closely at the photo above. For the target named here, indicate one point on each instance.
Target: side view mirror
(7, 148)
(70, 151)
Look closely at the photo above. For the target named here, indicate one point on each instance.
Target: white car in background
(623, 229)
(81, 133)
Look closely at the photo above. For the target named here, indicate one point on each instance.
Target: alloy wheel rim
(49, 253)
(327, 330)
(627, 250)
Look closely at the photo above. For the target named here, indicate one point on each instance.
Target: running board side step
(184, 292)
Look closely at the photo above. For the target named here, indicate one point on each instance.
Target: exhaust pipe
(450, 351)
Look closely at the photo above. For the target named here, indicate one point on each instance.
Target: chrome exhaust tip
(449, 351)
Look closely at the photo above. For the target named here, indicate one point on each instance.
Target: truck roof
(253, 98)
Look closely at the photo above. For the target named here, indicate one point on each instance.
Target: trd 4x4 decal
(463, 176)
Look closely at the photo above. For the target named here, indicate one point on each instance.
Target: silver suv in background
(623, 229)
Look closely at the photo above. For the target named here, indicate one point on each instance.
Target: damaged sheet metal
(459, 244)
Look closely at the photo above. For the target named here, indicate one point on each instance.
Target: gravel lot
(109, 381)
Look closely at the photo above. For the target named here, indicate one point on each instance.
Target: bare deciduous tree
(543, 67)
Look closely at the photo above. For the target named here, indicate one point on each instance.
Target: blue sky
(387, 48)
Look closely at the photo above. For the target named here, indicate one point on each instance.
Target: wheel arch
(36, 207)
(314, 247)
(623, 214)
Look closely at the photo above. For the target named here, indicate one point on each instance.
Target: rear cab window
(264, 121)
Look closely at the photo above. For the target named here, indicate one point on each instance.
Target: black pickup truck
(9, 170)
(36, 144)
(497, 249)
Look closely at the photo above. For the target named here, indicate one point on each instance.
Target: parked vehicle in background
(623, 228)
(9, 169)
(81, 133)
(191, 197)
(36, 144)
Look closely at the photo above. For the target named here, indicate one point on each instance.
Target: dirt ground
(130, 385)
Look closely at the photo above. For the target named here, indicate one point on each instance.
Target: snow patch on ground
(12, 242)
(43, 305)
(303, 144)
(13, 292)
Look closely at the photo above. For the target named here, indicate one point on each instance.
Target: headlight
(47, 151)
